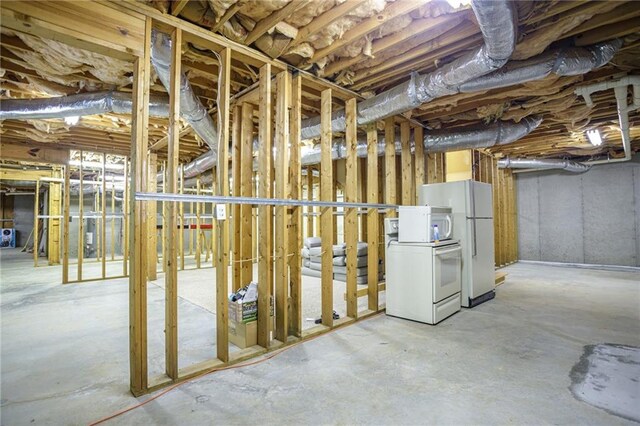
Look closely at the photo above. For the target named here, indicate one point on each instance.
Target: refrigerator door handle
(473, 209)
(475, 239)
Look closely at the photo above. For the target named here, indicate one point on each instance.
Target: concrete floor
(64, 356)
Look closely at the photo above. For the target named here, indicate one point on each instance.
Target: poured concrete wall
(593, 217)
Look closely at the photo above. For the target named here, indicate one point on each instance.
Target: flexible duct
(542, 164)
(78, 105)
(500, 133)
(497, 22)
(562, 62)
(497, 25)
(191, 109)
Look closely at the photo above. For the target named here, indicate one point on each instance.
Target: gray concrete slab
(64, 357)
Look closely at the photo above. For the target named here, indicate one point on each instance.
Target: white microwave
(424, 224)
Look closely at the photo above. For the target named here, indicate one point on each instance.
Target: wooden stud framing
(310, 212)
(198, 232)
(170, 185)
(163, 214)
(407, 175)
(138, 260)
(362, 197)
(418, 136)
(151, 220)
(113, 220)
(103, 219)
(222, 225)
(80, 220)
(326, 213)
(125, 219)
(372, 218)
(295, 229)
(214, 233)
(53, 229)
(36, 224)
(283, 90)
(66, 212)
(181, 222)
(236, 141)
(390, 164)
(351, 214)
(265, 277)
(246, 211)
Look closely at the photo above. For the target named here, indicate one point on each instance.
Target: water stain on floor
(608, 377)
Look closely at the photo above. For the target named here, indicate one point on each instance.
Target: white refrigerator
(472, 208)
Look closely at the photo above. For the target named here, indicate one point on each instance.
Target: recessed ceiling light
(594, 137)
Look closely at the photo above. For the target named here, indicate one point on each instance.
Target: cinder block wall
(593, 217)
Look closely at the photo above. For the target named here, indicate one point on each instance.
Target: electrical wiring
(214, 370)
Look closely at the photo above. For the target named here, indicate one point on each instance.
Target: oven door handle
(448, 251)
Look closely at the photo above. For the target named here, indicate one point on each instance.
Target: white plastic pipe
(620, 89)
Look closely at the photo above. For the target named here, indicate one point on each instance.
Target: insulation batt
(221, 6)
(535, 43)
(260, 9)
(305, 14)
(69, 60)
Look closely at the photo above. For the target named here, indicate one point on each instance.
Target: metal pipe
(537, 164)
(181, 198)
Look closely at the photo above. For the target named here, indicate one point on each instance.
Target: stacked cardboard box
(243, 324)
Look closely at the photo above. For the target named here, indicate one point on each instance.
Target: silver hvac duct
(562, 62)
(78, 105)
(500, 133)
(542, 164)
(498, 24)
(191, 109)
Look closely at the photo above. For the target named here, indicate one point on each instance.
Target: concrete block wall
(592, 218)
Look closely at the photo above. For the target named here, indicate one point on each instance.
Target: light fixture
(594, 137)
(456, 4)
(72, 121)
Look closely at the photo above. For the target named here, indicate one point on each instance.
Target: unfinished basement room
(319, 212)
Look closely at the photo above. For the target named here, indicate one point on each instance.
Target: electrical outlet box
(221, 212)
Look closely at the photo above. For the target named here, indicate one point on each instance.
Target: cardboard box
(243, 312)
(243, 335)
(243, 324)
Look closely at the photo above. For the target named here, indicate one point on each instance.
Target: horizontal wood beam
(270, 21)
(393, 10)
(87, 25)
(177, 6)
(19, 174)
(21, 152)
(228, 14)
(322, 21)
